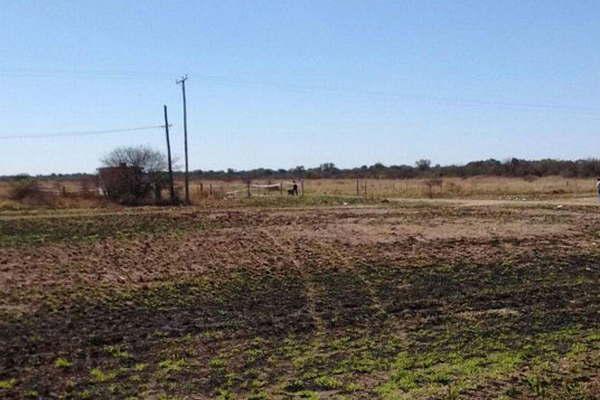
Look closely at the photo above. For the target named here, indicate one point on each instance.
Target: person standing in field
(294, 190)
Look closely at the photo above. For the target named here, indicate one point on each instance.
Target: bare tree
(131, 186)
(143, 157)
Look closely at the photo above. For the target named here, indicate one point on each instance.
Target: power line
(82, 74)
(468, 102)
(303, 88)
(83, 133)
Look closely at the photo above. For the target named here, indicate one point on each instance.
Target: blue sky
(285, 83)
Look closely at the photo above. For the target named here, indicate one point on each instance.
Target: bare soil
(398, 300)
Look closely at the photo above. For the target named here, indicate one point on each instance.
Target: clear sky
(285, 83)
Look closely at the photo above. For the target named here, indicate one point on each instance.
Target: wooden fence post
(302, 186)
(248, 187)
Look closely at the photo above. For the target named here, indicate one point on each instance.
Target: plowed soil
(391, 301)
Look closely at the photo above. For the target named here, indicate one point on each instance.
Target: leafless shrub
(142, 157)
(26, 190)
(430, 184)
(23, 187)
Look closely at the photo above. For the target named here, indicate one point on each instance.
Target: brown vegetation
(32, 193)
(67, 193)
(485, 187)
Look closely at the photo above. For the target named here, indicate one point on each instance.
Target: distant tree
(143, 157)
(129, 186)
(327, 167)
(423, 164)
(22, 177)
(377, 170)
(298, 171)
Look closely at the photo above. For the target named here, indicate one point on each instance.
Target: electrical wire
(83, 133)
(294, 87)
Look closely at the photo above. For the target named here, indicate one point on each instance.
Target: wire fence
(482, 187)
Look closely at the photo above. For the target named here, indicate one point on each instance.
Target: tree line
(585, 168)
(514, 167)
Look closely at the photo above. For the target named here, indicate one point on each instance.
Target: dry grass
(53, 186)
(476, 187)
(50, 194)
(4, 190)
(483, 187)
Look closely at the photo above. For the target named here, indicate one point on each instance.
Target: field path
(458, 202)
(350, 263)
(285, 247)
(583, 201)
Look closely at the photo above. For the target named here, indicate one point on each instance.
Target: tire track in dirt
(311, 290)
(350, 262)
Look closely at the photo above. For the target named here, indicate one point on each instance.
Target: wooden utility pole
(185, 140)
(171, 186)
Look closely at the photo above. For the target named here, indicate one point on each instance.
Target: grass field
(400, 300)
(476, 187)
(483, 187)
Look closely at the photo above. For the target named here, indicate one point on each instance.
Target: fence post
(302, 186)
(281, 188)
(357, 187)
(248, 188)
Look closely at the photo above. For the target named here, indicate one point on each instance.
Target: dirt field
(396, 300)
